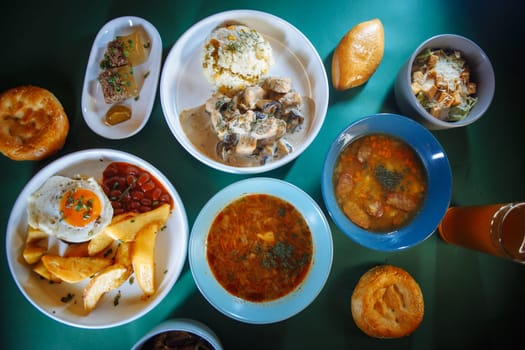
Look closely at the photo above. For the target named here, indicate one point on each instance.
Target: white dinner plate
(170, 251)
(94, 107)
(183, 84)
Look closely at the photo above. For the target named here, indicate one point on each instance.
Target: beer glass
(497, 229)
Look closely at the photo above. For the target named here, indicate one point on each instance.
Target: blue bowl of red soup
(386, 182)
(260, 250)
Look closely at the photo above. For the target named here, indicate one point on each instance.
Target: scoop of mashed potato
(236, 56)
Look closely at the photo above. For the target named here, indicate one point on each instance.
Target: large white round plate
(94, 107)
(183, 84)
(292, 303)
(170, 251)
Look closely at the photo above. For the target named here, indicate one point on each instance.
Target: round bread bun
(358, 55)
(387, 303)
(33, 124)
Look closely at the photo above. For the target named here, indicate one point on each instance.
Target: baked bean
(137, 195)
(130, 179)
(114, 194)
(143, 178)
(131, 189)
(132, 170)
(146, 201)
(144, 208)
(165, 198)
(110, 171)
(148, 186)
(155, 194)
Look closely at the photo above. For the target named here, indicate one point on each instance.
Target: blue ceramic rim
(439, 181)
(287, 306)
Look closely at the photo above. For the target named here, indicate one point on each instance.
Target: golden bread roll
(33, 124)
(387, 303)
(358, 55)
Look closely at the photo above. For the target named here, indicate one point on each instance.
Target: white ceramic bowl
(181, 324)
(170, 251)
(288, 305)
(184, 86)
(481, 72)
(94, 107)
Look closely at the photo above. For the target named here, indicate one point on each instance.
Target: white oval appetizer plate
(170, 251)
(184, 86)
(94, 107)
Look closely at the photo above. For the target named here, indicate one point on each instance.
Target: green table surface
(472, 300)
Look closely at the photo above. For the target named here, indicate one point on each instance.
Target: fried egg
(74, 210)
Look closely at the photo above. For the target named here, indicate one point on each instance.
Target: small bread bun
(33, 124)
(358, 55)
(387, 303)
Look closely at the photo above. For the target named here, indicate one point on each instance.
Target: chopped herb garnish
(126, 191)
(117, 298)
(67, 298)
(387, 178)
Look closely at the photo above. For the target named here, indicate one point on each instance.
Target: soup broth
(379, 182)
(259, 248)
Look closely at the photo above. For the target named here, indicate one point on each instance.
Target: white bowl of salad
(447, 82)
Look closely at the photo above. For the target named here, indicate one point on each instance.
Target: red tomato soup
(259, 248)
(379, 182)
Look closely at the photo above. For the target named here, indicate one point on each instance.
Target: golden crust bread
(387, 303)
(358, 55)
(33, 124)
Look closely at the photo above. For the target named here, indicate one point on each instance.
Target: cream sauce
(197, 126)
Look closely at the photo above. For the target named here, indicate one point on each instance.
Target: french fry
(123, 255)
(126, 230)
(43, 272)
(34, 234)
(99, 243)
(108, 279)
(36, 245)
(142, 258)
(136, 235)
(33, 252)
(77, 249)
(74, 269)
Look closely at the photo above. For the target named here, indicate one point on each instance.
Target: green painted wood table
(472, 300)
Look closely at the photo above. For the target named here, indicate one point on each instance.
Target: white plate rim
(287, 306)
(141, 109)
(97, 319)
(316, 74)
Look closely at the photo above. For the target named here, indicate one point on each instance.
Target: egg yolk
(79, 207)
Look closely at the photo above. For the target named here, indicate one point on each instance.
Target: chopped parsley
(281, 256)
(116, 300)
(387, 178)
(67, 298)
